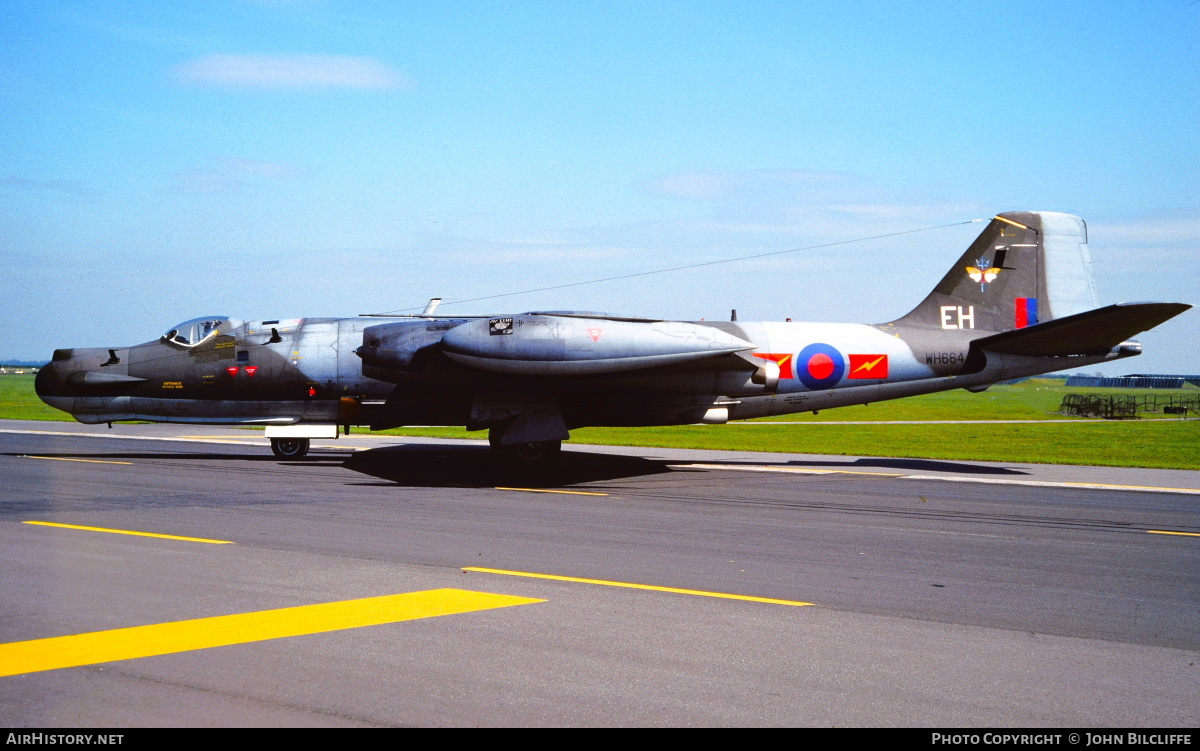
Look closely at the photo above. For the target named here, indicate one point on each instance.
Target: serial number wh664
(945, 358)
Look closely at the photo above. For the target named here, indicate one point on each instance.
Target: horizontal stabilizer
(1090, 332)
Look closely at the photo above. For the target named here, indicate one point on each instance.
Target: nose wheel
(289, 448)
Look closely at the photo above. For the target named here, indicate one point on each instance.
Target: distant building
(1134, 381)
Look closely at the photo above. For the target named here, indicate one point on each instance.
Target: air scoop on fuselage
(545, 345)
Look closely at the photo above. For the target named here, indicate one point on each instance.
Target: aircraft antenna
(682, 268)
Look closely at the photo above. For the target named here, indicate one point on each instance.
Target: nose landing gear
(289, 448)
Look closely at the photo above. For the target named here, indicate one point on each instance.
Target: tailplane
(1093, 332)
(1026, 267)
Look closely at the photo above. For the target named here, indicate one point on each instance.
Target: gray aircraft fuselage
(1020, 302)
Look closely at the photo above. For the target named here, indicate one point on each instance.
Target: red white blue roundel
(820, 366)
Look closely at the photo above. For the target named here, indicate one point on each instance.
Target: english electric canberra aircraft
(1021, 301)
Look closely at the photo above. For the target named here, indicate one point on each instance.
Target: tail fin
(1025, 267)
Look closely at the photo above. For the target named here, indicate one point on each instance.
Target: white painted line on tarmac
(214, 439)
(191, 439)
(1048, 484)
(785, 470)
(733, 467)
(944, 422)
(940, 478)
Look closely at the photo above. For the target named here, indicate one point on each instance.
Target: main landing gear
(526, 454)
(289, 448)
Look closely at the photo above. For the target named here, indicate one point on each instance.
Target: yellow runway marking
(220, 631)
(1169, 532)
(542, 490)
(130, 532)
(629, 585)
(65, 459)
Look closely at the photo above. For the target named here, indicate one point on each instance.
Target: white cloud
(231, 174)
(68, 187)
(1163, 231)
(257, 168)
(291, 72)
(703, 186)
(709, 186)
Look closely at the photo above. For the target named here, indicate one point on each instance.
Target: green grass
(1033, 399)
(19, 402)
(1164, 443)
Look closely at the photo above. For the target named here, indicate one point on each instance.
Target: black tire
(289, 448)
(528, 454)
(534, 452)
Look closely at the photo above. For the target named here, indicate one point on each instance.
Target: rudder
(1025, 267)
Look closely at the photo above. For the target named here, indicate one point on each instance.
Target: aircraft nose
(50, 383)
(66, 370)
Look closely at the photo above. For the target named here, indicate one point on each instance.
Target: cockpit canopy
(190, 333)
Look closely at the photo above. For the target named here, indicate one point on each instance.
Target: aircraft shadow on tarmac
(413, 465)
(919, 465)
(470, 466)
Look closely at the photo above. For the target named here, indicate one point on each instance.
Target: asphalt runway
(388, 581)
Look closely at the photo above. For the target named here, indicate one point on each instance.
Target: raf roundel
(820, 366)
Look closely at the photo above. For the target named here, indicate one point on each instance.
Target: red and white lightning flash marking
(785, 363)
(868, 366)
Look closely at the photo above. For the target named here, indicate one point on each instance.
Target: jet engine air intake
(767, 376)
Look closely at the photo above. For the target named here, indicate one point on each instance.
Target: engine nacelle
(401, 346)
(558, 345)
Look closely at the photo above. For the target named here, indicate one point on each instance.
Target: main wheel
(534, 451)
(526, 454)
(289, 448)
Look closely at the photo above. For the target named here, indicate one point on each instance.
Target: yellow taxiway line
(544, 490)
(630, 585)
(129, 532)
(1170, 532)
(204, 633)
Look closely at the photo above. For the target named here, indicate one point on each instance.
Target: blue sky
(160, 161)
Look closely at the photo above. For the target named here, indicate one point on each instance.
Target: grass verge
(1160, 443)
